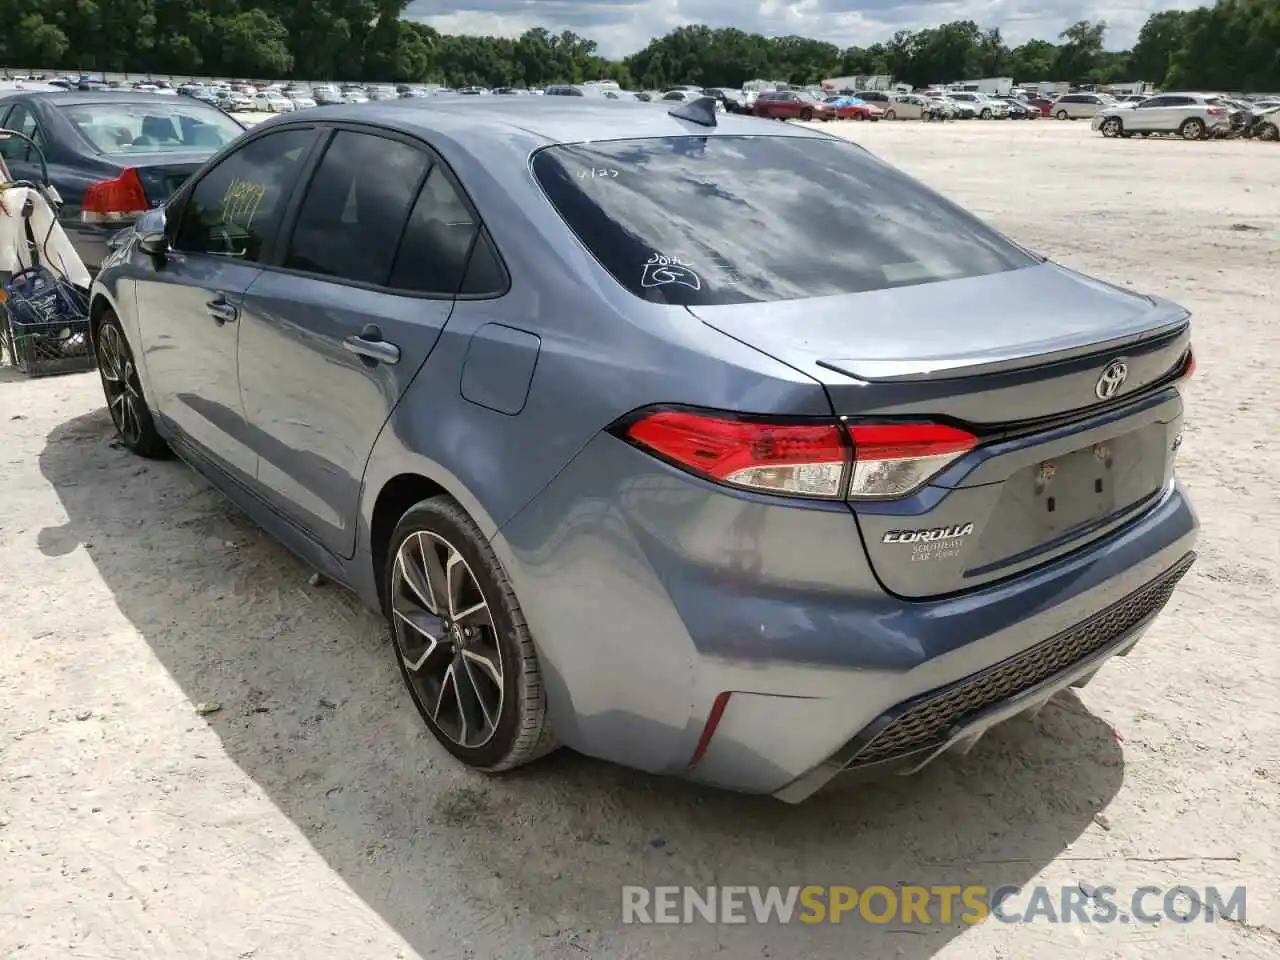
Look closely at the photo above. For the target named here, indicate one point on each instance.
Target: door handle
(221, 311)
(379, 351)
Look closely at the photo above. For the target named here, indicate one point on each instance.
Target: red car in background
(791, 105)
(1041, 104)
(854, 111)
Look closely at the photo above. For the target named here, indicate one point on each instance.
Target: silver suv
(1192, 116)
(984, 107)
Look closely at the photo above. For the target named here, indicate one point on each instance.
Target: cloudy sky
(624, 26)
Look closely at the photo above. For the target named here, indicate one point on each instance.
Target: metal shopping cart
(44, 314)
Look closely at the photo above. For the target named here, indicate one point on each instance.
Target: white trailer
(992, 86)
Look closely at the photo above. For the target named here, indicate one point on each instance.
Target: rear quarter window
(729, 219)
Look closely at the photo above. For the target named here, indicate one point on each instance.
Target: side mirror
(152, 235)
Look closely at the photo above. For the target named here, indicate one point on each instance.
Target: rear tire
(460, 637)
(1192, 129)
(806, 115)
(1268, 131)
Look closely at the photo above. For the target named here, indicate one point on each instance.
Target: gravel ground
(310, 814)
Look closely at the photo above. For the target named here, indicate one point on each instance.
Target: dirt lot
(312, 816)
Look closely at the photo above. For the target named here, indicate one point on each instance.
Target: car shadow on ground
(313, 713)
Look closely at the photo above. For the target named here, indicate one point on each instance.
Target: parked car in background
(906, 106)
(202, 93)
(984, 107)
(833, 501)
(272, 101)
(380, 93)
(1079, 106)
(937, 109)
(853, 108)
(234, 102)
(880, 98)
(964, 109)
(791, 105)
(1018, 110)
(733, 101)
(1192, 116)
(685, 95)
(301, 99)
(1042, 104)
(111, 156)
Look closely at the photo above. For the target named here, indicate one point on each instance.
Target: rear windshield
(724, 219)
(120, 129)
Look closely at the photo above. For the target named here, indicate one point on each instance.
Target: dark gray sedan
(111, 154)
(711, 446)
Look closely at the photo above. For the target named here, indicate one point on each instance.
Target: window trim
(287, 224)
(176, 208)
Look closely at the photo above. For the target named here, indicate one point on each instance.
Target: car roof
(538, 121)
(63, 98)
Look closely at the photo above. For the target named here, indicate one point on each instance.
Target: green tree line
(1232, 45)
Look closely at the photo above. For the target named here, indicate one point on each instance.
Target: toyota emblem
(1113, 377)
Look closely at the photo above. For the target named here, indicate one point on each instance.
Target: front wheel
(464, 649)
(890, 115)
(806, 114)
(986, 114)
(1192, 129)
(1063, 115)
(1112, 127)
(122, 388)
(1268, 131)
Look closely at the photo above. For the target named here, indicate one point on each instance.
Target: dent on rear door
(315, 408)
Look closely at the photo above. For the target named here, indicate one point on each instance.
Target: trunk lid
(1017, 358)
(163, 173)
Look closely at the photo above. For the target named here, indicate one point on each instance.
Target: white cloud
(621, 27)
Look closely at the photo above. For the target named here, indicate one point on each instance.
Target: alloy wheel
(121, 384)
(1111, 128)
(447, 639)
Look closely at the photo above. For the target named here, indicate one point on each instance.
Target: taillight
(797, 459)
(118, 200)
(1215, 111)
(825, 460)
(1188, 365)
(895, 459)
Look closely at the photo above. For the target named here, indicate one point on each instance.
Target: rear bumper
(911, 735)
(652, 595)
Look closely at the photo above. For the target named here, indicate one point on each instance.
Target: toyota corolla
(710, 446)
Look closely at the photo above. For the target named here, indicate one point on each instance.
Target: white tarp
(55, 250)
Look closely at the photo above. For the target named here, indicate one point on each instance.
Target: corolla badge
(956, 531)
(1114, 374)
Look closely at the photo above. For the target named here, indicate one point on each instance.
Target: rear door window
(356, 207)
(437, 240)
(732, 219)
